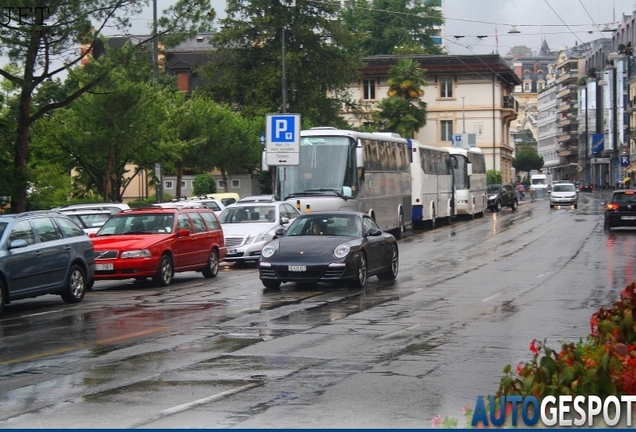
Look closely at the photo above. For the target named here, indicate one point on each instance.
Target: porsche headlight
(268, 251)
(142, 253)
(341, 251)
(492, 197)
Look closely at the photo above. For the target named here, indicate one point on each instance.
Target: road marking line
(188, 405)
(397, 332)
(491, 297)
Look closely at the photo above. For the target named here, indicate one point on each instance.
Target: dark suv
(44, 252)
(500, 196)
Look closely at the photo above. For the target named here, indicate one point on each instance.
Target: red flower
(519, 368)
(533, 348)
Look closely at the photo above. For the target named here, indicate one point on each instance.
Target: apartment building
(471, 94)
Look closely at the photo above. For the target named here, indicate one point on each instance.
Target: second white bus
(432, 185)
(469, 174)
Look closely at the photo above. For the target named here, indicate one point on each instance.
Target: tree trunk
(179, 166)
(21, 155)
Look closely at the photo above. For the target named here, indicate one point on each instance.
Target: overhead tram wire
(592, 19)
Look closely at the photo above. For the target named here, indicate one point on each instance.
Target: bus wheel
(431, 223)
(400, 231)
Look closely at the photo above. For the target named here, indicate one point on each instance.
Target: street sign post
(282, 139)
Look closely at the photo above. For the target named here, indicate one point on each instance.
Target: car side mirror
(183, 232)
(18, 243)
(284, 220)
(374, 232)
(92, 235)
(280, 232)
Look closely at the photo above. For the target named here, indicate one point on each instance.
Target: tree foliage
(204, 184)
(527, 160)
(403, 111)
(387, 27)
(43, 42)
(245, 71)
(102, 133)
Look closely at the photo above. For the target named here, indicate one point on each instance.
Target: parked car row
(55, 252)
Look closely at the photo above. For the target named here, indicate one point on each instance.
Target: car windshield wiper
(314, 192)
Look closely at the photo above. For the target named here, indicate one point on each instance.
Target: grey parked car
(44, 252)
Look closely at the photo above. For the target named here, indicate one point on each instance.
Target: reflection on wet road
(222, 353)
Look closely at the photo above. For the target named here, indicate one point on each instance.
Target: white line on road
(187, 406)
(491, 297)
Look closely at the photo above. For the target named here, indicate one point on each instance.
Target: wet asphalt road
(219, 354)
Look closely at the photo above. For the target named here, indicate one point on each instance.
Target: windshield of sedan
(138, 224)
(325, 225)
(493, 189)
(249, 214)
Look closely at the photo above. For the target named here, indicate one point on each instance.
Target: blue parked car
(44, 252)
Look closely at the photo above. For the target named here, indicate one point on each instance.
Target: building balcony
(568, 90)
(565, 78)
(564, 107)
(564, 137)
(568, 151)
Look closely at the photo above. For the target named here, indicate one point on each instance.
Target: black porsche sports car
(329, 247)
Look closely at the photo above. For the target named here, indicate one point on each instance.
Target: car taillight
(611, 206)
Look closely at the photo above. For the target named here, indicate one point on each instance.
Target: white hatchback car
(248, 226)
(89, 220)
(564, 194)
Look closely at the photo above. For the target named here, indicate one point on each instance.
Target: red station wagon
(157, 242)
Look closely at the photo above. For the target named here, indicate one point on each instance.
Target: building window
(220, 183)
(369, 89)
(446, 87)
(168, 184)
(540, 85)
(447, 130)
(236, 184)
(527, 86)
(183, 184)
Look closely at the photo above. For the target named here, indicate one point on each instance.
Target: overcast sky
(559, 22)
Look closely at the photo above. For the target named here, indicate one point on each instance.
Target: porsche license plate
(102, 267)
(297, 268)
(628, 218)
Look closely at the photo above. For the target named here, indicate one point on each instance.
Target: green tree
(394, 26)
(527, 160)
(44, 42)
(403, 111)
(494, 177)
(245, 72)
(103, 133)
(204, 184)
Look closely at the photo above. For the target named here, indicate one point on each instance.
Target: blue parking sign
(283, 129)
(282, 139)
(624, 160)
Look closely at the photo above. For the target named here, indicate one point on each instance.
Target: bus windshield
(327, 166)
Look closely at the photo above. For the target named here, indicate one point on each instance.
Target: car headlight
(341, 251)
(264, 236)
(142, 253)
(268, 251)
(492, 197)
